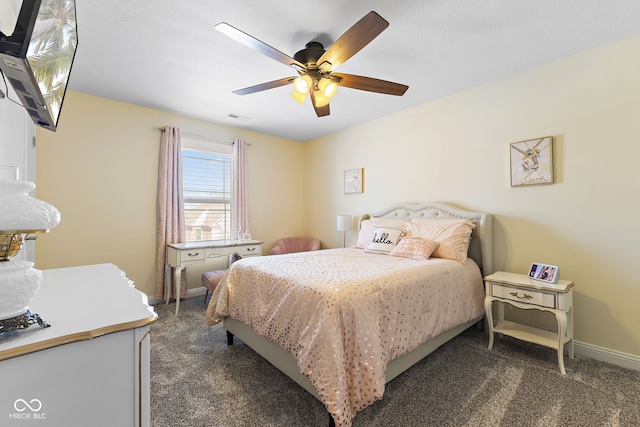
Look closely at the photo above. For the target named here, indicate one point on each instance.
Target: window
(206, 190)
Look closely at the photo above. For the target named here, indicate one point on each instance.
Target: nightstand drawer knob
(192, 254)
(515, 294)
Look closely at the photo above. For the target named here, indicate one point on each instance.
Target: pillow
(384, 239)
(437, 220)
(453, 238)
(366, 228)
(415, 248)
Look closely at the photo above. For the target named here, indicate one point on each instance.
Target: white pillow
(384, 239)
(437, 220)
(453, 238)
(366, 228)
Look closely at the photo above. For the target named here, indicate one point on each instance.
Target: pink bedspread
(343, 313)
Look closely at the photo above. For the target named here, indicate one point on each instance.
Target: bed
(343, 322)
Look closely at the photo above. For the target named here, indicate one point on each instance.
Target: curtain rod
(210, 138)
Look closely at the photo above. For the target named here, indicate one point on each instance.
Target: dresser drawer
(249, 250)
(526, 296)
(242, 250)
(192, 255)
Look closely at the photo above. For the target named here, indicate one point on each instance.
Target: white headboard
(481, 245)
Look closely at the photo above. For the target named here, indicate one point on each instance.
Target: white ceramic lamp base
(19, 283)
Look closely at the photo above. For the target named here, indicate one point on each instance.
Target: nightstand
(524, 293)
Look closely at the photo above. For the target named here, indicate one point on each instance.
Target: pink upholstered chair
(290, 245)
(210, 279)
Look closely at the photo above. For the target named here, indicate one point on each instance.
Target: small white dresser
(92, 365)
(215, 253)
(525, 293)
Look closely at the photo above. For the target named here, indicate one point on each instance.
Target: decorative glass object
(20, 216)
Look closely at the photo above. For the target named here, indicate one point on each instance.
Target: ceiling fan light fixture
(315, 65)
(302, 84)
(327, 87)
(300, 97)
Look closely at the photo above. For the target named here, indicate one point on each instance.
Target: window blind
(207, 194)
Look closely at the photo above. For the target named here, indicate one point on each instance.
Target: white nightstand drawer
(249, 250)
(526, 296)
(192, 255)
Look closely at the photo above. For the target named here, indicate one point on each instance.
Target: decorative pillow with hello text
(384, 239)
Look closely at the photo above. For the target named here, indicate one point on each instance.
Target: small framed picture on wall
(532, 162)
(353, 181)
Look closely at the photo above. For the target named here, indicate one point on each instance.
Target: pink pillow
(415, 248)
(453, 238)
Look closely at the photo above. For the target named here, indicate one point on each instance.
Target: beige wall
(456, 150)
(100, 170)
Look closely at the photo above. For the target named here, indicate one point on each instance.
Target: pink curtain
(240, 197)
(170, 225)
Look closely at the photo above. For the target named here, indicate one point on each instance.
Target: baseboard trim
(618, 358)
(191, 293)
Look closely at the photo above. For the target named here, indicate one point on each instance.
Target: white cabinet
(17, 148)
(17, 133)
(91, 366)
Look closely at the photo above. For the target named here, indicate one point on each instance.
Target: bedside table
(524, 293)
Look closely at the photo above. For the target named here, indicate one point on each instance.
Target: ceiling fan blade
(257, 45)
(264, 86)
(371, 85)
(352, 41)
(320, 111)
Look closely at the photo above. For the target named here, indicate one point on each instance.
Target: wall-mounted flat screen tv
(37, 57)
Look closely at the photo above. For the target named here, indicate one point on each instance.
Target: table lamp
(20, 216)
(344, 224)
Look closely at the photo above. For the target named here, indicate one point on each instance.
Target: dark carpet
(197, 380)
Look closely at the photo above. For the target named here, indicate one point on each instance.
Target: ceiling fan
(315, 65)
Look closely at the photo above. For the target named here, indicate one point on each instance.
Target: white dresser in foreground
(91, 366)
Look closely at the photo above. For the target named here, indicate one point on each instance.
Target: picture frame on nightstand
(544, 272)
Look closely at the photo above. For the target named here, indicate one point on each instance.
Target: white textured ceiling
(165, 54)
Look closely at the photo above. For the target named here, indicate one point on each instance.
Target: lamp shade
(302, 84)
(344, 223)
(23, 212)
(300, 97)
(320, 99)
(327, 87)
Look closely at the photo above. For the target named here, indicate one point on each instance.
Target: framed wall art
(353, 181)
(532, 162)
